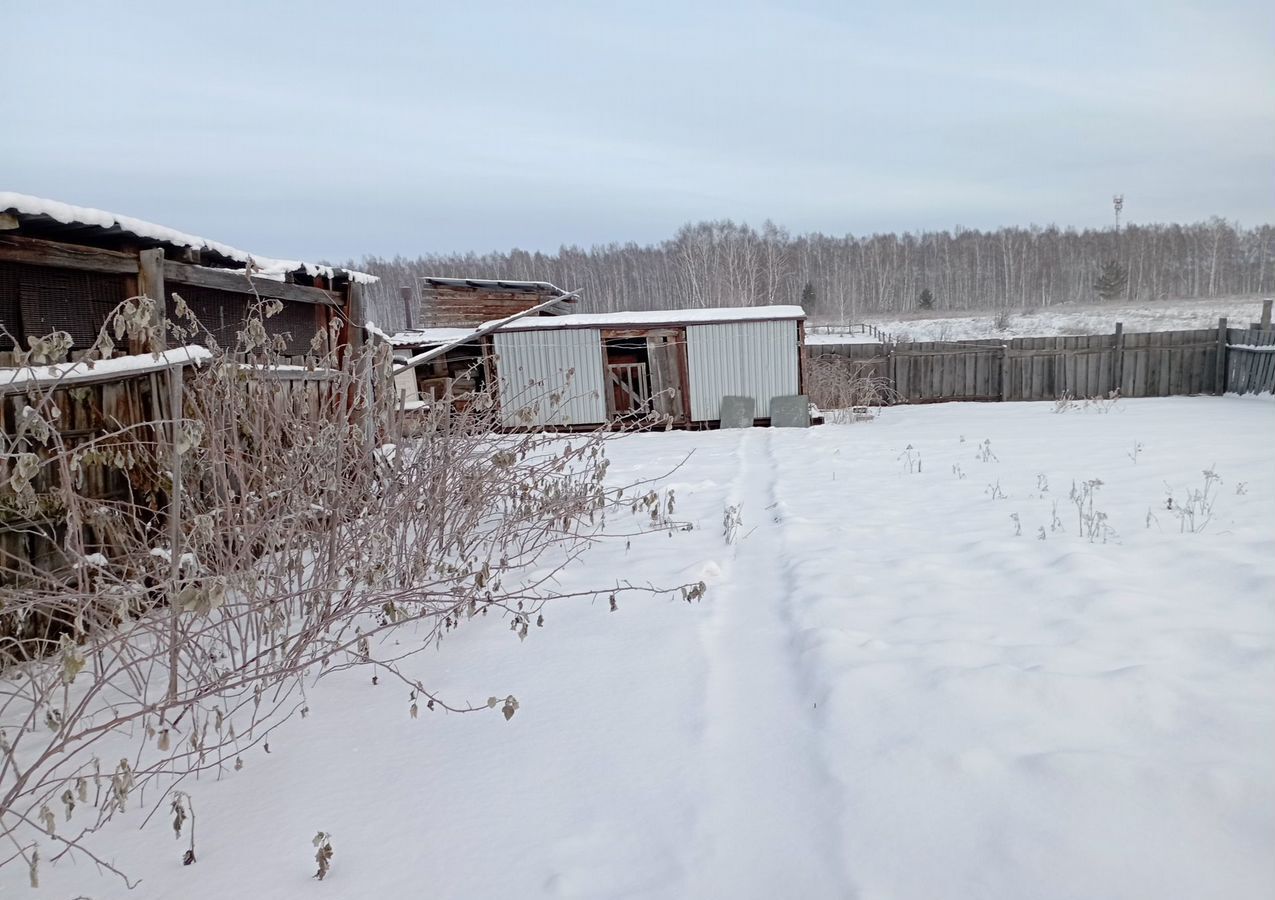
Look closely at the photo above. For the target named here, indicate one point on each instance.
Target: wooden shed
(451, 310)
(64, 268)
(458, 302)
(671, 367)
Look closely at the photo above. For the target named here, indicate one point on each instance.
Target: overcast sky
(329, 130)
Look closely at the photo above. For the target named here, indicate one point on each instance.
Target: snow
(69, 373)
(70, 215)
(423, 337)
(426, 336)
(1068, 319)
(841, 337)
(496, 282)
(659, 317)
(884, 693)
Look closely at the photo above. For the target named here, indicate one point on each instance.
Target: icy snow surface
(886, 692)
(68, 214)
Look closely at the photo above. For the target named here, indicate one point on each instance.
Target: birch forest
(843, 278)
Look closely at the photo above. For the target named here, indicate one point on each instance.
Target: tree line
(844, 278)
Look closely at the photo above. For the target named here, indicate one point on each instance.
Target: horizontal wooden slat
(177, 273)
(34, 252)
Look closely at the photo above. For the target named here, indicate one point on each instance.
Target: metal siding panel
(532, 365)
(750, 359)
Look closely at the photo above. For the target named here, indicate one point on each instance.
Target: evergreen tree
(808, 296)
(926, 300)
(1112, 280)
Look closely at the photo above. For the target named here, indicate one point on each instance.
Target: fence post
(150, 283)
(1266, 315)
(1117, 359)
(1004, 372)
(890, 370)
(1219, 374)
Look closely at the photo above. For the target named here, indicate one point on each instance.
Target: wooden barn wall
(449, 306)
(36, 300)
(223, 314)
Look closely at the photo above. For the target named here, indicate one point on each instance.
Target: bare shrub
(845, 390)
(272, 534)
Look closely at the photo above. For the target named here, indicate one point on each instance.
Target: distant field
(1169, 315)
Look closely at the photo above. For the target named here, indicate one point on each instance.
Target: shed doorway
(645, 375)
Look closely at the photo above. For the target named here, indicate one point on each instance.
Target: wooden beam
(235, 280)
(1219, 371)
(356, 309)
(1117, 357)
(35, 252)
(150, 283)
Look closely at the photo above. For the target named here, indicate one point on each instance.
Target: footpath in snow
(920, 671)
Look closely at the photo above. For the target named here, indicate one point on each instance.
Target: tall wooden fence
(1151, 364)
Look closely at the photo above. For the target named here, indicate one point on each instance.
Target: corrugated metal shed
(534, 366)
(750, 359)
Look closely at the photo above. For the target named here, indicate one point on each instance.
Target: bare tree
(726, 264)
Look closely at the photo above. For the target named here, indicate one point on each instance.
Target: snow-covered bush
(839, 387)
(295, 519)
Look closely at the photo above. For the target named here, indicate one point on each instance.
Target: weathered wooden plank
(1166, 364)
(1145, 367)
(238, 281)
(150, 283)
(37, 252)
(1219, 372)
(1177, 366)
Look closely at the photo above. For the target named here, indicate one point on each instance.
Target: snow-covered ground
(887, 692)
(1058, 320)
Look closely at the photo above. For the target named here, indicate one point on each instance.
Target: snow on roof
(425, 336)
(61, 374)
(67, 214)
(538, 287)
(660, 317)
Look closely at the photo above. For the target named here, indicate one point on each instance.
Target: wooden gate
(629, 389)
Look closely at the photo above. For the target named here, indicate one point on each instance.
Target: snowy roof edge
(653, 317)
(62, 374)
(67, 214)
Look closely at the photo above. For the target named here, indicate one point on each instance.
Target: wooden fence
(1250, 361)
(1151, 364)
(124, 413)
